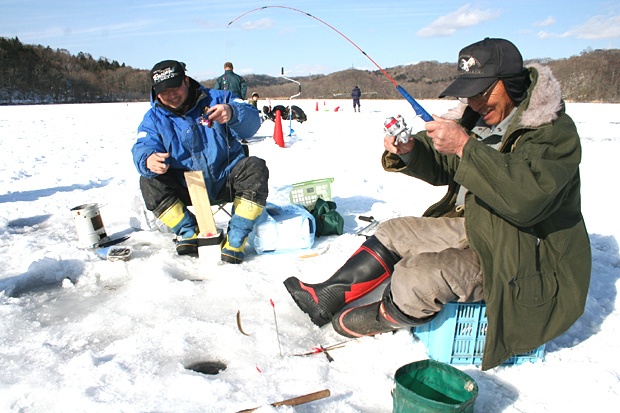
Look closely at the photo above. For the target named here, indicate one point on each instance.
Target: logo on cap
(164, 74)
(466, 64)
(470, 65)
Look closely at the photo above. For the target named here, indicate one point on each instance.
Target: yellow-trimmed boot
(183, 224)
(245, 214)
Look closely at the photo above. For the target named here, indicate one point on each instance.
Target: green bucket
(430, 386)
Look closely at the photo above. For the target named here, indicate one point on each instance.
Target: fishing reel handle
(397, 128)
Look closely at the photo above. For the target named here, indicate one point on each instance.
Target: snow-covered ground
(78, 333)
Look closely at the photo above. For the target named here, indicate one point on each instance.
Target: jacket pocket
(535, 290)
(535, 301)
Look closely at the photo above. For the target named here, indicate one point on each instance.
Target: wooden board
(200, 201)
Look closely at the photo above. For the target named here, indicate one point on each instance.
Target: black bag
(328, 220)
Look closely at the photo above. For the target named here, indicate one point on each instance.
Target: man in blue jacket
(192, 128)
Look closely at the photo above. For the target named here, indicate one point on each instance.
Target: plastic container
(457, 335)
(282, 229)
(306, 193)
(119, 253)
(428, 386)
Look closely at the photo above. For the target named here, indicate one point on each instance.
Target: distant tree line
(37, 74)
(593, 76)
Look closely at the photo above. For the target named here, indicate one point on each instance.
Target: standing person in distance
(356, 94)
(232, 82)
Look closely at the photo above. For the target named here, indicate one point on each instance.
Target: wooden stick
(295, 401)
(200, 200)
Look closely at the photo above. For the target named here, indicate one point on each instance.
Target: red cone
(277, 131)
(317, 106)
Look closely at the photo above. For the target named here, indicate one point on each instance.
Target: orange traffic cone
(277, 131)
(317, 106)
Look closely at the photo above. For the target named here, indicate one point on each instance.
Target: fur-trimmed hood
(541, 106)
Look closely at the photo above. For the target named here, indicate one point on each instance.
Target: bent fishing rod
(419, 110)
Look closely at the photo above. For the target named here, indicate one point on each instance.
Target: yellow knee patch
(173, 215)
(247, 209)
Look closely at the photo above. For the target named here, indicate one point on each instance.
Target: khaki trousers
(437, 265)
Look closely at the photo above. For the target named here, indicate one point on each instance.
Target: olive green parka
(522, 215)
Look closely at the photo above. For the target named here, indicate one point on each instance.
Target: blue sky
(200, 33)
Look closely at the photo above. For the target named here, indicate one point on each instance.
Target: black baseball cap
(167, 74)
(482, 63)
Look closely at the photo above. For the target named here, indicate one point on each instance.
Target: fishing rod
(419, 110)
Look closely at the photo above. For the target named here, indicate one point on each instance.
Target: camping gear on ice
(283, 228)
(119, 253)
(428, 386)
(115, 253)
(286, 225)
(369, 229)
(306, 193)
(89, 225)
(328, 220)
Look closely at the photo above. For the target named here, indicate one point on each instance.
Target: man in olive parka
(509, 230)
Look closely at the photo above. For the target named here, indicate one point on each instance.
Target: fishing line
(416, 106)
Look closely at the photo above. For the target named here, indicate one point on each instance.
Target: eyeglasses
(480, 97)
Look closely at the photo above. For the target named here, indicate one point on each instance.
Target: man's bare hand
(157, 163)
(448, 136)
(221, 113)
(400, 149)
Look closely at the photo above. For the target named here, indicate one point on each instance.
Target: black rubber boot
(368, 267)
(374, 318)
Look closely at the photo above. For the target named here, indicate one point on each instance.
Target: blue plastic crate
(456, 336)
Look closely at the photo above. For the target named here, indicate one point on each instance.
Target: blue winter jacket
(195, 147)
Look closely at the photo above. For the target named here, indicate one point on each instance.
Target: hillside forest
(34, 74)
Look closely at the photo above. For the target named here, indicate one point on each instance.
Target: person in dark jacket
(231, 81)
(192, 128)
(254, 100)
(356, 94)
(509, 230)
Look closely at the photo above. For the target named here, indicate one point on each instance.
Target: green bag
(328, 220)
(430, 386)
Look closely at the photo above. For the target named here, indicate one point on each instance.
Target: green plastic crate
(306, 193)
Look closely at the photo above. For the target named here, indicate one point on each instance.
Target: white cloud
(598, 27)
(547, 22)
(265, 23)
(542, 35)
(461, 19)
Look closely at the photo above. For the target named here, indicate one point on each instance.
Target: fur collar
(543, 104)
